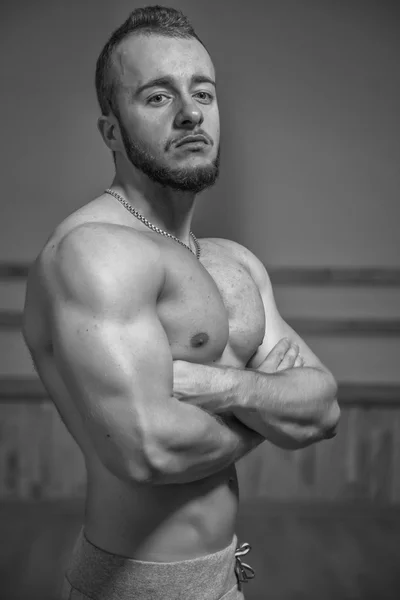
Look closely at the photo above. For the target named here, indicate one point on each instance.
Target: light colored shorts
(94, 574)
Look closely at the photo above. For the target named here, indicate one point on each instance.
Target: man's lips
(192, 139)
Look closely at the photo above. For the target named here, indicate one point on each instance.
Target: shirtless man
(165, 355)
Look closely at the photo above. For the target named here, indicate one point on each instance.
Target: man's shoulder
(97, 239)
(246, 258)
(104, 234)
(228, 245)
(94, 224)
(237, 251)
(97, 251)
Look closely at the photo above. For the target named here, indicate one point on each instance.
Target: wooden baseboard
(255, 509)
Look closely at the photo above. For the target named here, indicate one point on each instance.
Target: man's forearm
(291, 408)
(201, 445)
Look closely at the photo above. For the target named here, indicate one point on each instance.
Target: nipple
(199, 340)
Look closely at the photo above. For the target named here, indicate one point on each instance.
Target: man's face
(165, 95)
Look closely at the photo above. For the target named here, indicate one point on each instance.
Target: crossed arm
(291, 407)
(190, 421)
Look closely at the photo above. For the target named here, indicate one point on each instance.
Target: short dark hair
(156, 20)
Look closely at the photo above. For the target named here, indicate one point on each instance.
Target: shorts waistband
(102, 575)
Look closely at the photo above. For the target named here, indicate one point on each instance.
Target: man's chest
(212, 311)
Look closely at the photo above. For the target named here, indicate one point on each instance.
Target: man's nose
(189, 116)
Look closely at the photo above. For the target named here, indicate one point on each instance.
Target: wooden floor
(299, 553)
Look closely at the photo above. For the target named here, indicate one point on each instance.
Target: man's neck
(170, 210)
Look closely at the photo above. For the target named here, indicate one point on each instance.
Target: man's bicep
(102, 357)
(118, 376)
(110, 347)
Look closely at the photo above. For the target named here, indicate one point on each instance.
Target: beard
(188, 179)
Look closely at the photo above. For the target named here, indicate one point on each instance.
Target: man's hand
(284, 355)
(207, 386)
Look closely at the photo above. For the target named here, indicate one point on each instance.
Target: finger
(290, 358)
(276, 355)
(299, 361)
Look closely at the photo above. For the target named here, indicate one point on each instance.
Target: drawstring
(243, 571)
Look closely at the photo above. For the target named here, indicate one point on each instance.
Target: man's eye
(157, 99)
(204, 96)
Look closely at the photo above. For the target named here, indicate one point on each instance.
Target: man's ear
(109, 131)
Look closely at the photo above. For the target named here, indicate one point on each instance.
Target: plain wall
(309, 96)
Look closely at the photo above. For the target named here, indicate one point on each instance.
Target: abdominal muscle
(161, 523)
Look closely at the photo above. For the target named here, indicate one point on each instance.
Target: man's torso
(212, 312)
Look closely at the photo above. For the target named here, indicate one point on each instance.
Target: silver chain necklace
(153, 227)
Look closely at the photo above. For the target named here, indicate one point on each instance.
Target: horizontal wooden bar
(332, 276)
(345, 326)
(11, 320)
(369, 394)
(9, 271)
(22, 388)
(31, 389)
(251, 509)
(307, 276)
